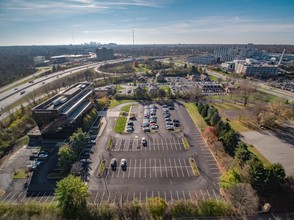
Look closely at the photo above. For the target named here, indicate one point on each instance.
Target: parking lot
(160, 167)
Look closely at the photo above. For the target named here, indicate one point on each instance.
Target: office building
(203, 59)
(104, 54)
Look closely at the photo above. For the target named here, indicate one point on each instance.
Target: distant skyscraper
(104, 54)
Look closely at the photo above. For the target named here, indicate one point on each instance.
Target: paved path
(273, 148)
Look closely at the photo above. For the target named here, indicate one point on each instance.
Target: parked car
(176, 121)
(130, 129)
(144, 141)
(170, 128)
(131, 123)
(177, 124)
(146, 129)
(167, 119)
(154, 127)
(123, 163)
(133, 118)
(113, 164)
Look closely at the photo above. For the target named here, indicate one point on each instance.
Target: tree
(215, 118)
(156, 207)
(257, 173)
(66, 157)
(210, 135)
(72, 194)
(275, 176)
(230, 141)
(204, 110)
(161, 93)
(229, 178)
(246, 91)
(275, 114)
(242, 154)
(78, 140)
(243, 199)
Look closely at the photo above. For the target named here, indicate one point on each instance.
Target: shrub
(229, 178)
(213, 207)
(156, 207)
(183, 209)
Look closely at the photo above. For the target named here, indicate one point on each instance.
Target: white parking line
(6, 196)
(146, 196)
(160, 168)
(134, 194)
(46, 199)
(176, 168)
(190, 195)
(140, 196)
(140, 168)
(114, 197)
(171, 168)
(11, 197)
(178, 195)
(97, 193)
(118, 172)
(181, 167)
(135, 168)
(150, 167)
(145, 169)
(53, 197)
(165, 167)
(208, 194)
(129, 169)
(187, 168)
(164, 195)
(184, 195)
(155, 169)
(158, 193)
(202, 194)
(171, 196)
(167, 143)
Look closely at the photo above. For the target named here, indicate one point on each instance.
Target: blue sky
(39, 22)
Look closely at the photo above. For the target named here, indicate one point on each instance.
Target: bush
(213, 207)
(229, 178)
(156, 207)
(183, 209)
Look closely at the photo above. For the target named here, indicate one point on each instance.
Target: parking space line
(181, 167)
(167, 143)
(114, 197)
(145, 169)
(171, 146)
(155, 171)
(46, 199)
(152, 194)
(150, 167)
(196, 195)
(171, 168)
(184, 195)
(214, 194)
(140, 196)
(171, 196)
(135, 168)
(53, 197)
(190, 195)
(18, 197)
(11, 197)
(118, 172)
(178, 195)
(134, 194)
(23, 198)
(6, 197)
(186, 167)
(165, 167)
(158, 193)
(164, 192)
(160, 168)
(162, 144)
(129, 168)
(158, 146)
(140, 169)
(146, 196)
(127, 199)
(102, 197)
(97, 193)
(202, 194)
(176, 168)
(208, 194)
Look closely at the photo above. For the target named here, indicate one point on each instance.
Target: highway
(12, 95)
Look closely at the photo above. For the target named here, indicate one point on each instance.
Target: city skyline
(25, 22)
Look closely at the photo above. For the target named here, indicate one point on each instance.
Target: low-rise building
(203, 59)
(61, 114)
(104, 91)
(250, 67)
(159, 77)
(204, 78)
(228, 66)
(104, 54)
(210, 87)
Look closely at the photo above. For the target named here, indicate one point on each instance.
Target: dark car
(130, 124)
(113, 164)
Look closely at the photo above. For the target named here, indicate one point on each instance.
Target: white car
(123, 163)
(143, 141)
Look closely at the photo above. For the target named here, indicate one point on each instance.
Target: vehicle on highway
(22, 92)
(113, 164)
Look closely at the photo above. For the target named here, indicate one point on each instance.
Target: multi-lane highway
(12, 95)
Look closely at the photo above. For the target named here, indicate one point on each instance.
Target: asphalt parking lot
(161, 168)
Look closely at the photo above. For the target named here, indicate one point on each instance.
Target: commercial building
(104, 54)
(228, 66)
(203, 59)
(62, 113)
(250, 67)
(39, 60)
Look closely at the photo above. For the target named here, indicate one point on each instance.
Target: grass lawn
(196, 117)
(118, 87)
(120, 124)
(213, 78)
(109, 144)
(228, 106)
(194, 167)
(101, 168)
(115, 102)
(165, 87)
(126, 108)
(19, 174)
(253, 150)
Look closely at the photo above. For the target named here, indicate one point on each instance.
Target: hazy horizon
(33, 22)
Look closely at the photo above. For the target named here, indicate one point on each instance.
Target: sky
(52, 22)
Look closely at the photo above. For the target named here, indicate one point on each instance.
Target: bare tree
(246, 90)
(243, 199)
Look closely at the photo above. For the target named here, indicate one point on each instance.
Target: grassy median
(194, 167)
(101, 168)
(120, 124)
(186, 143)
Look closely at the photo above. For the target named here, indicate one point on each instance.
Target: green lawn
(118, 87)
(213, 78)
(115, 102)
(126, 108)
(19, 174)
(196, 117)
(253, 150)
(166, 88)
(228, 106)
(186, 143)
(120, 124)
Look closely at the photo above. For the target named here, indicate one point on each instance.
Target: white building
(235, 52)
(228, 66)
(250, 67)
(39, 59)
(203, 59)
